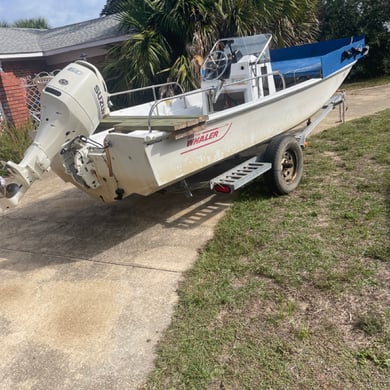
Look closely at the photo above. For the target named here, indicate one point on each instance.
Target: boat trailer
(249, 170)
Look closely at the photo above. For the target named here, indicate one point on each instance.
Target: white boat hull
(144, 167)
(147, 147)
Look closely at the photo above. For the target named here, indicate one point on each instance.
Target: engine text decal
(99, 97)
(207, 137)
(74, 70)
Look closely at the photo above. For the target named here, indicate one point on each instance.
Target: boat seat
(179, 126)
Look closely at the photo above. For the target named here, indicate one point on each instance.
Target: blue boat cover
(317, 59)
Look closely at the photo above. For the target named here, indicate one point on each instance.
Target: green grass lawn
(367, 83)
(294, 292)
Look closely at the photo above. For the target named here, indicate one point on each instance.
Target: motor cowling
(72, 105)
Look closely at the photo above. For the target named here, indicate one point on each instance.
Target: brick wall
(13, 93)
(13, 99)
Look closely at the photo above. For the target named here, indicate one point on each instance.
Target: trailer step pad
(241, 174)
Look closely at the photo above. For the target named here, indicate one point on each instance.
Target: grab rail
(153, 87)
(274, 73)
(256, 78)
(214, 89)
(181, 96)
(260, 56)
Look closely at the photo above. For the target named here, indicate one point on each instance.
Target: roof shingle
(28, 40)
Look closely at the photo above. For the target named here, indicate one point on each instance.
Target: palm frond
(176, 34)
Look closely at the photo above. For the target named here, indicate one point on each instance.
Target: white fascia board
(21, 55)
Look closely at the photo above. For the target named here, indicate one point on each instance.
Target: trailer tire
(286, 157)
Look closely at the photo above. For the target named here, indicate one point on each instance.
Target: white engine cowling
(72, 105)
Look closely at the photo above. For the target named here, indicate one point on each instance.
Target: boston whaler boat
(249, 96)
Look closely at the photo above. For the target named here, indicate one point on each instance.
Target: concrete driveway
(87, 289)
(359, 103)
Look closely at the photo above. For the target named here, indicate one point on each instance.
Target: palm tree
(170, 37)
(295, 23)
(39, 23)
(161, 44)
(111, 7)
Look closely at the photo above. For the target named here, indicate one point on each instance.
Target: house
(25, 52)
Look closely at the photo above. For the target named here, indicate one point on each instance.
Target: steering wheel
(215, 65)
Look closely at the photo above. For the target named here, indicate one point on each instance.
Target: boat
(250, 95)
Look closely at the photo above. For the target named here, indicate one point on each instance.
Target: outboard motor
(72, 105)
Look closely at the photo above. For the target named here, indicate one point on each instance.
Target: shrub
(13, 143)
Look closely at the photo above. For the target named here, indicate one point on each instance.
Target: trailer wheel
(286, 157)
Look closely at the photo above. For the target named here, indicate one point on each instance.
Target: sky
(57, 12)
